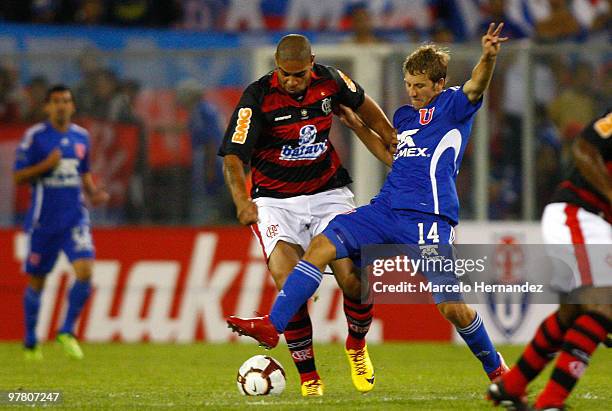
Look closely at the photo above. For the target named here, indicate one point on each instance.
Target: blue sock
(31, 306)
(476, 337)
(301, 284)
(79, 293)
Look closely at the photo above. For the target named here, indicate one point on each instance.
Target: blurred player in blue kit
(54, 158)
(418, 204)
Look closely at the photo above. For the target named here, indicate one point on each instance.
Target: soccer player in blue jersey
(54, 158)
(418, 203)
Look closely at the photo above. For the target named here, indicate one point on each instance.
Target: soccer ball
(261, 375)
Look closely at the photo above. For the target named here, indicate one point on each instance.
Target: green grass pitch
(147, 376)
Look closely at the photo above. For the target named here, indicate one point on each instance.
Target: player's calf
(298, 335)
(475, 336)
(579, 343)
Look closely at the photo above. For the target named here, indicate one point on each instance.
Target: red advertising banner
(178, 285)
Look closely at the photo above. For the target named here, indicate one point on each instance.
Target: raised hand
(99, 197)
(491, 41)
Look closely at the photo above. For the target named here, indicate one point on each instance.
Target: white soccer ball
(261, 375)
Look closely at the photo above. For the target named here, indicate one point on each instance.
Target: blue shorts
(44, 247)
(376, 223)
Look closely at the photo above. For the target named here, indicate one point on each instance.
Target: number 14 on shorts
(432, 234)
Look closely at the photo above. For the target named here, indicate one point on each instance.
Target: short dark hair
(428, 59)
(57, 88)
(293, 47)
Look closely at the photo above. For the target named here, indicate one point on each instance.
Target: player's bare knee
(84, 275)
(37, 283)
(282, 260)
(83, 269)
(458, 313)
(280, 266)
(320, 252)
(347, 277)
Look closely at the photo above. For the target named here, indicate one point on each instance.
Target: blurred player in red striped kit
(281, 129)
(577, 225)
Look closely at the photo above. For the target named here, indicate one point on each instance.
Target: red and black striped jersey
(286, 140)
(576, 189)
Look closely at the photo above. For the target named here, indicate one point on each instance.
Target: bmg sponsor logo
(243, 123)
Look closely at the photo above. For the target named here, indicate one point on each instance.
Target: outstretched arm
(368, 137)
(483, 71)
(374, 118)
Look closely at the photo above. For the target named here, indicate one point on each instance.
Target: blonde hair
(428, 59)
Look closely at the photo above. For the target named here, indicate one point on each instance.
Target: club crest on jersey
(326, 105)
(425, 115)
(34, 259)
(307, 149)
(406, 146)
(79, 150)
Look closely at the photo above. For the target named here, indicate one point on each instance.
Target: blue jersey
(57, 201)
(431, 143)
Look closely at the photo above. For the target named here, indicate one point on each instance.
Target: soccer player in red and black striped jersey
(281, 129)
(576, 224)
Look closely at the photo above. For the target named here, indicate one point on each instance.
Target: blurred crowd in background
(456, 20)
(568, 91)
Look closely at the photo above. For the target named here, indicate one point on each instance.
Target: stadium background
(171, 260)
